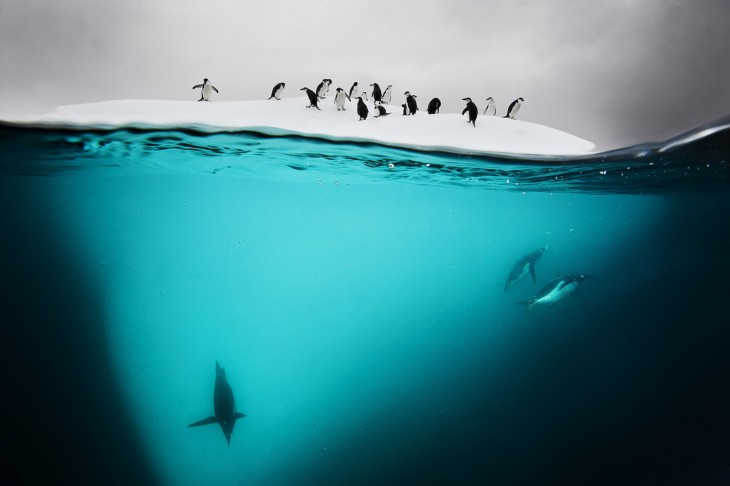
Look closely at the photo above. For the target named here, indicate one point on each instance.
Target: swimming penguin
(312, 98)
(411, 102)
(362, 109)
(206, 91)
(354, 91)
(523, 266)
(491, 108)
(381, 111)
(473, 111)
(340, 97)
(514, 107)
(377, 94)
(224, 406)
(387, 94)
(277, 91)
(555, 290)
(433, 106)
(323, 88)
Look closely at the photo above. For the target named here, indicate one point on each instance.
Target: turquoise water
(355, 296)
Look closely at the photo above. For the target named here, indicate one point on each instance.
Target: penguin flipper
(532, 273)
(205, 421)
(239, 415)
(214, 89)
(197, 86)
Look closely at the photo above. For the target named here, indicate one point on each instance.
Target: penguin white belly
(207, 90)
(558, 293)
(491, 109)
(515, 110)
(386, 97)
(279, 92)
(340, 100)
(355, 93)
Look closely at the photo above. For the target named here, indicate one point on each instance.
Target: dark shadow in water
(632, 387)
(63, 421)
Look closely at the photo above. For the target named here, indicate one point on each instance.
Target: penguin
(340, 97)
(362, 109)
(312, 98)
(405, 108)
(473, 111)
(555, 290)
(277, 91)
(323, 88)
(491, 108)
(433, 106)
(387, 95)
(381, 111)
(206, 91)
(523, 266)
(377, 94)
(514, 107)
(354, 90)
(411, 102)
(224, 406)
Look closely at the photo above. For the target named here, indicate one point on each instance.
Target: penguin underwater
(312, 98)
(276, 92)
(206, 91)
(473, 111)
(523, 266)
(224, 406)
(555, 290)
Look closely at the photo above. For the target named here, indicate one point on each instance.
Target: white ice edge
(446, 132)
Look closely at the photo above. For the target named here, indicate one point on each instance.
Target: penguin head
(304, 89)
(205, 80)
(521, 99)
(490, 99)
(407, 93)
(468, 100)
(389, 86)
(339, 89)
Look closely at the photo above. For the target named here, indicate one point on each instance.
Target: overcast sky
(615, 72)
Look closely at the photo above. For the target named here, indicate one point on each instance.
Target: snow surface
(446, 131)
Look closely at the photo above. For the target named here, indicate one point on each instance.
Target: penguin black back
(473, 111)
(312, 98)
(362, 109)
(411, 102)
(433, 106)
(377, 94)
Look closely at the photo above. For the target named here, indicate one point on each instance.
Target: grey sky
(615, 72)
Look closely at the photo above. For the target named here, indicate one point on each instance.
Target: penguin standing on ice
(323, 88)
(411, 103)
(277, 91)
(362, 109)
(377, 94)
(340, 97)
(312, 98)
(471, 108)
(354, 91)
(514, 107)
(387, 95)
(381, 111)
(405, 108)
(491, 108)
(433, 106)
(206, 91)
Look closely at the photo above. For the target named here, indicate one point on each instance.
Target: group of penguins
(410, 107)
(553, 291)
